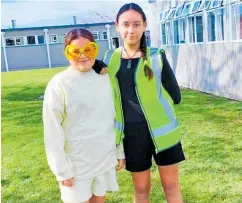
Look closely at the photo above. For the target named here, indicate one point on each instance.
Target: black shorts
(139, 149)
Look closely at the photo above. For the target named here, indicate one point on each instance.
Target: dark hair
(132, 6)
(76, 33)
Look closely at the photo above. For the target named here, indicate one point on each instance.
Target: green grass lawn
(211, 128)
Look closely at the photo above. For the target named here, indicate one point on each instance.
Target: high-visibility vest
(154, 100)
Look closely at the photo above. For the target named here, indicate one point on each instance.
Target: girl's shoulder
(57, 79)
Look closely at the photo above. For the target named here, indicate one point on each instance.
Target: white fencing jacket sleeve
(54, 139)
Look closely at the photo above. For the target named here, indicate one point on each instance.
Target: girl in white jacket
(78, 119)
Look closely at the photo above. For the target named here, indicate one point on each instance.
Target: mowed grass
(212, 134)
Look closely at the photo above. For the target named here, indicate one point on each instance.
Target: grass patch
(211, 128)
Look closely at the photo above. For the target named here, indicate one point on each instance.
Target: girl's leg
(170, 181)
(96, 199)
(142, 186)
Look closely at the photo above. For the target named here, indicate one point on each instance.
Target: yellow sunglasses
(72, 52)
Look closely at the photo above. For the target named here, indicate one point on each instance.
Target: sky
(60, 12)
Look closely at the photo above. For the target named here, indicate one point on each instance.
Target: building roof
(86, 25)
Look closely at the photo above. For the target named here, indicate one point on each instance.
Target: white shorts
(83, 189)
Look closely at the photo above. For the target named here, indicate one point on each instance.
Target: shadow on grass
(22, 93)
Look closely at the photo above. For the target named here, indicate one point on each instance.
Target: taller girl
(145, 89)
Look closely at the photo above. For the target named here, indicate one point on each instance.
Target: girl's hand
(68, 182)
(104, 71)
(120, 165)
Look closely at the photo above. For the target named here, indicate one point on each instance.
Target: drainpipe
(108, 35)
(47, 46)
(4, 51)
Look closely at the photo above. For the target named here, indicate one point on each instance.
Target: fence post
(4, 50)
(47, 46)
(108, 35)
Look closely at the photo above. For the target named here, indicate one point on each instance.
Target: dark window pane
(216, 3)
(211, 27)
(196, 6)
(199, 28)
(199, 37)
(176, 32)
(186, 9)
(10, 42)
(41, 39)
(31, 39)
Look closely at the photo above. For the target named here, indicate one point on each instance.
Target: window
(181, 24)
(105, 35)
(187, 9)
(164, 15)
(176, 32)
(216, 25)
(161, 16)
(53, 38)
(41, 39)
(191, 24)
(171, 14)
(215, 4)
(179, 31)
(195, 6)
(19, 40)
(61, 38)
(31, 40)
(199, 28)
(178, 11)
(195, 24)
(10, 42)
(211, 26)
(204, 5)
(165, 33)
(237, 22)
(95, 35)
(147, 39)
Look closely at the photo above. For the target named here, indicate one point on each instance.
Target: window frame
(211, 6)
(216, 26)
(13, 40)
(57, 40)
(95, 33)
(237, 4)
(168, 36)
(170, 14)
(201, 7)
(193, 5)
(61, 34)
(181, 6)
(24, 41)
(184, 8)
(165, 14)
(179, 31)
(34, 40)
(103, 35)
(38, 39)
(195, 28)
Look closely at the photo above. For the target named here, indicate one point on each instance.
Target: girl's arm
(120, 156)
(54, 139)
(98, 66)
(120, 151)
(169, 80)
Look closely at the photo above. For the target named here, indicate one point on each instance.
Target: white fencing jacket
(78, 117)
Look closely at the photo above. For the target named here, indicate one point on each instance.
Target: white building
(203, 43)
